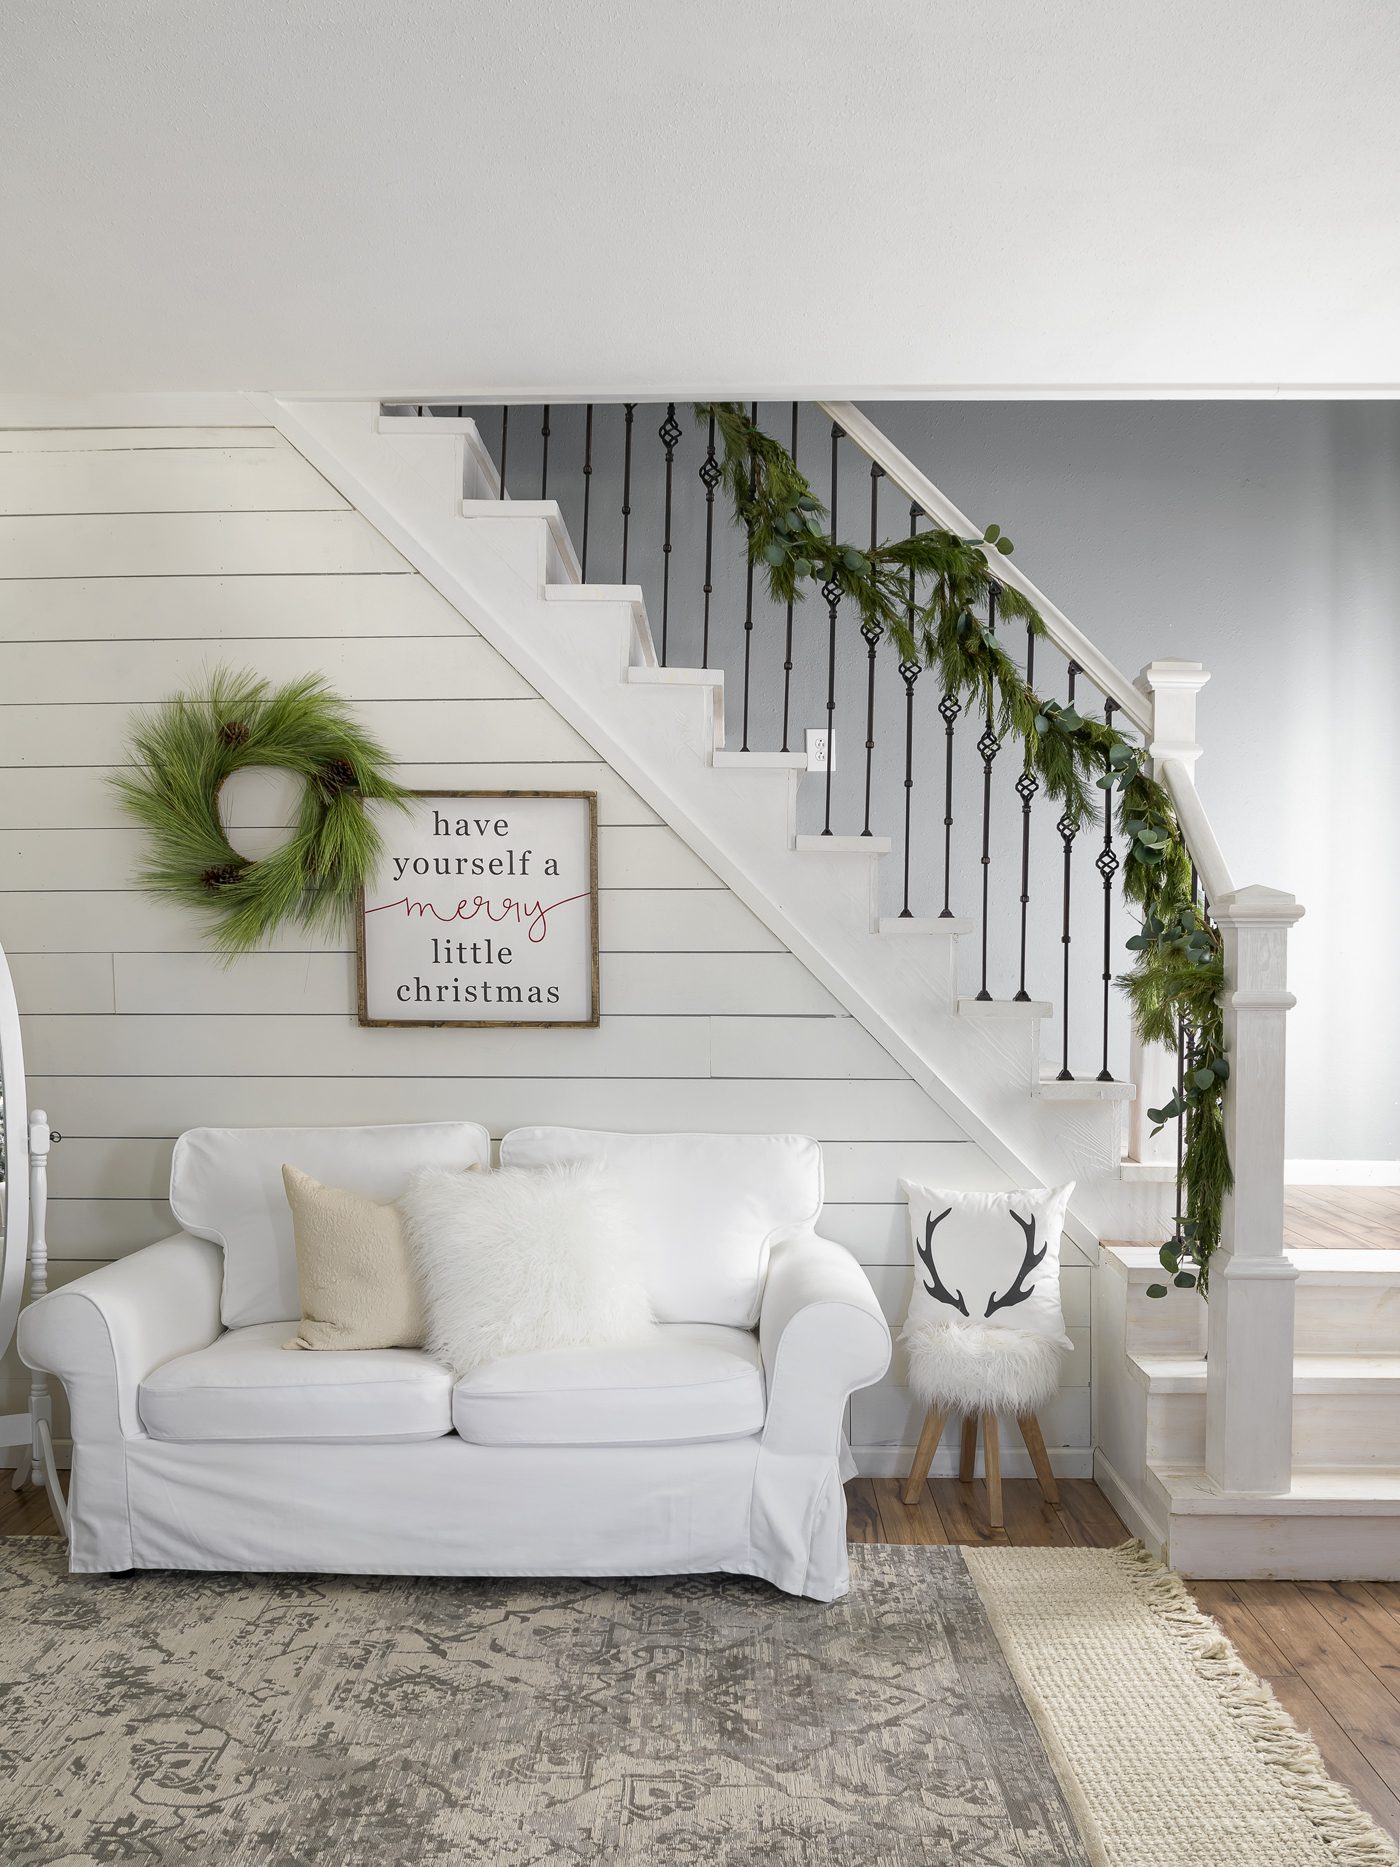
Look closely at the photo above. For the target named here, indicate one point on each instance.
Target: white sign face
(484, 910)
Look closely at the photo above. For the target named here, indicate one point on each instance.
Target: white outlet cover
(818, 741)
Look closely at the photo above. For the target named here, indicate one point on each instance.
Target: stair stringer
(502, 565)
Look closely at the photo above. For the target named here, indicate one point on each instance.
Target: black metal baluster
(831, 591)
(870, 634)
(544, 454)
(1068, 831)
(668, 433)
(909, 673)
(505, 437)
(710, 476)
(787, 646)
(748, 586)
(629, 410)
(587, 487)
(988, 745)
(1026, 787)
(949, 707)
(1107, 865)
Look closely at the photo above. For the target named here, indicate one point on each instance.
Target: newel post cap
(1257, 906)
(1185, 676)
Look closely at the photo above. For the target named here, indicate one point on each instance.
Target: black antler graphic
(1031, 1258)
(938, 1290)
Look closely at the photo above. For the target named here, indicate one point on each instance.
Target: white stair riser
(1330, 1318)
(1328, 1429)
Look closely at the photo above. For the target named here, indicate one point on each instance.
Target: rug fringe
(1347, 1831)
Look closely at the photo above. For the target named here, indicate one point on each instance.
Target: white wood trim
(198, 408)
(492, 395)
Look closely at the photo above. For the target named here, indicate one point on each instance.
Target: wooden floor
(1331, 1650)
(1346, 1218)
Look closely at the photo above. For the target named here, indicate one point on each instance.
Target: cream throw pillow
(355, 1274)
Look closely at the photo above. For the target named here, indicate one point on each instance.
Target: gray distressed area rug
(679, 1721)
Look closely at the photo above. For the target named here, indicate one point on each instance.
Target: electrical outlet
(821, 749)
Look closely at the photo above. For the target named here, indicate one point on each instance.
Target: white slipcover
(767, 1502)
(248, 1385)
(226, 1184)
(708, 1206)
(686, 1381)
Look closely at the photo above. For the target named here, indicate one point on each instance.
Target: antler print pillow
(988, 1258)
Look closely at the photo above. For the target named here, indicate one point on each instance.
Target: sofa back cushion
(226, 1184)
(706, 1206)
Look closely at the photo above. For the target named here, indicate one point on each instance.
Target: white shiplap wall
(131, 560)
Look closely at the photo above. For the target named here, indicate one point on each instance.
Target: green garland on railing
(923, 594)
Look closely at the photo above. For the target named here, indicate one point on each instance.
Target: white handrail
(917, 486)
(1196, 832)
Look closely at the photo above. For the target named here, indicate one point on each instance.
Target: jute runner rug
(1004, 1708)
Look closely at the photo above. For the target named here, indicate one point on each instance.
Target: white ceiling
(436, 196)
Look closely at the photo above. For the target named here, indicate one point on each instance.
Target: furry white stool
(977, 1372)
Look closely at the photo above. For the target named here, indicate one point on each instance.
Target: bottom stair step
(1341, 1523)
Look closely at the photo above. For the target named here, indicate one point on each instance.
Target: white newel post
(1249, 1355)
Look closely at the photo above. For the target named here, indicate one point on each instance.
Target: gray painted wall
(1257, 538)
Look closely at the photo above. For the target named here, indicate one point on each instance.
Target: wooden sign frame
(441, 1024)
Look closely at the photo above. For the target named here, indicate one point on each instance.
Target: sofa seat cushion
(683, 1382)
(246, 1385)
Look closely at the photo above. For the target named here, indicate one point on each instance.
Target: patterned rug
(297, 1720)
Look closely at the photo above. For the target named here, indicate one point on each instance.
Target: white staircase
(1341, 1514)
(429, 484)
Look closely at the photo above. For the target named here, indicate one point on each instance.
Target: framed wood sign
(484, 910)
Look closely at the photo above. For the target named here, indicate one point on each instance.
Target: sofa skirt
(448, 1507)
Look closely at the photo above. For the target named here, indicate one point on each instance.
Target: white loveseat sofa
(199, 1442)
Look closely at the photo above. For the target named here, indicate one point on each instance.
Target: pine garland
(934, 597)
(185, 749)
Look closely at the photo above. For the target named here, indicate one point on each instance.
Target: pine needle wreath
(182, 753)
(935, 597)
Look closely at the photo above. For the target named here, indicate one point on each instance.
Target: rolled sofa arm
(104, 1333)
(822, 1335)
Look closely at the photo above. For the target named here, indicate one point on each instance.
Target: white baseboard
(894, 1461)
(1341, 1173)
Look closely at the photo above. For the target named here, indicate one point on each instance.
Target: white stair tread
(1152, 1172)
(946, 925)
(760, 761)
(843, 845)
(1349, 1491)
(677, 677)
(1381, 1268)
(1004, 1008)
(1312, 1374)
(430, 424)
(1083, 1089)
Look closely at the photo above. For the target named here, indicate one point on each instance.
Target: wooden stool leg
(967, 1465)
(991, 1458)
(923, 1456)
(1040, 1458)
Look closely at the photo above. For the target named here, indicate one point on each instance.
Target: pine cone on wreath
(221, 875)
(337, 776)
(234, 733)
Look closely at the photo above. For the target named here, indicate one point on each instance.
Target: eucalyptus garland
(935, 596)
(183, 752)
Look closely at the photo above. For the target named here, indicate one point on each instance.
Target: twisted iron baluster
(629, 409)
(668, 434)
(710, 476)
(787, 648)
(587, 487)
(1068, 831)
(909, 673)
(831, 591)
(871, 633)
(988, 745)
(1107, 865)
(1026, 787)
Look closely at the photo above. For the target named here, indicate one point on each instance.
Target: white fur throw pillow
(523, 1259)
